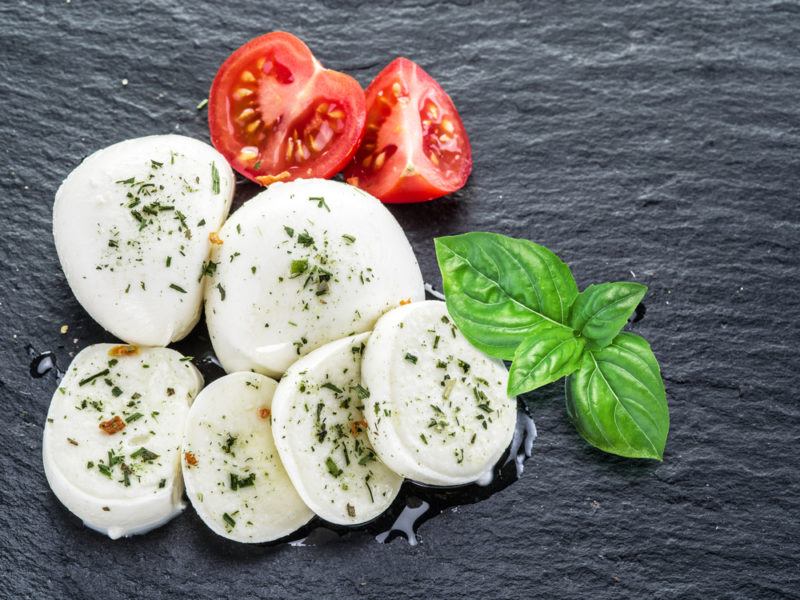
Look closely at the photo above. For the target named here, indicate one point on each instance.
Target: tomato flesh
(277, 114)
(415, 147)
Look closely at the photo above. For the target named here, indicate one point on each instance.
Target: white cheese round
(302, 264)
(131, 225)
(321, 434)
(111, 446)
(438, 411)
(234, 476)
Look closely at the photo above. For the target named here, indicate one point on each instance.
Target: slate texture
(656, 140)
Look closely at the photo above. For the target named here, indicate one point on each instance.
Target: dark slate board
(654, 138)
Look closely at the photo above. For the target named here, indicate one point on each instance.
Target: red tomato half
(415, 147)
(277, 114)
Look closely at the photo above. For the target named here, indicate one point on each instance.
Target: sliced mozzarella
(132, 224)
(438, 411)
(320, 432)
(302, 264)
(111, 444)
(233, 474)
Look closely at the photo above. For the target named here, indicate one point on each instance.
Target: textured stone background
(655, 138)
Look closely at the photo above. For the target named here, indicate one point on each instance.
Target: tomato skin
(415, 147)
(277, 114)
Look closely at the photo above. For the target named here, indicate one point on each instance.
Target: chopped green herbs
(329, 386)
(333, 468)
(305, 239)
(361, 391)
(91, 378)
(320, 202)
(238, 482)
(214, 178)
(411, 358)
(208, 270)
(298, 267)
(177, 288)
(227, 447)
(144, 454)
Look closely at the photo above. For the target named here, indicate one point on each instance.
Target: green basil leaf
(544, 357)
(617, 400)
(499, 289)
(601, 311)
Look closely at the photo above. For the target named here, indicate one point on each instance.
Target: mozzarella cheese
(234, 477)
(131, 226)
(111, 442)
(438, 411)
(302, 264)
(320, 432)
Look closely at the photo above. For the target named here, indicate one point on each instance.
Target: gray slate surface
(658, 138)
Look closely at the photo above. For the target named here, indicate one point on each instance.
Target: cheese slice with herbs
(234, 476)
(133, 225)
(438, 411)
(302, 264)
(111, 445)
(321, 434)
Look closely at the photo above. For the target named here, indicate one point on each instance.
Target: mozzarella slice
(320, 432)
(132, 224)
(233, 474)
(302, 264)
(438, 411)
(111, 446)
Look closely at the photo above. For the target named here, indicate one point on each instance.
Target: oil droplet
(42, 363)
(210, 367)
(522, 443)
(429, 289)
(406, 522)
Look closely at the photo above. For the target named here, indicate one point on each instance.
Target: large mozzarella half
(302, 264)
(234, 476)
(438, 411)
(131, 226)
(128, 481)
(320, 431)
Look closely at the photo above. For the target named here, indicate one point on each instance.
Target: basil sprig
(516, 300)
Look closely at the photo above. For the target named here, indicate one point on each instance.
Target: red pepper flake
(191, 459)
(113, 425)
(264, 413)
(124, 350)
(406, 301)
(214, 238)
(357, 427)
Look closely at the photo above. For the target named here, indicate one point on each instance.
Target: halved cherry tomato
(415, 147)
(277, 114)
